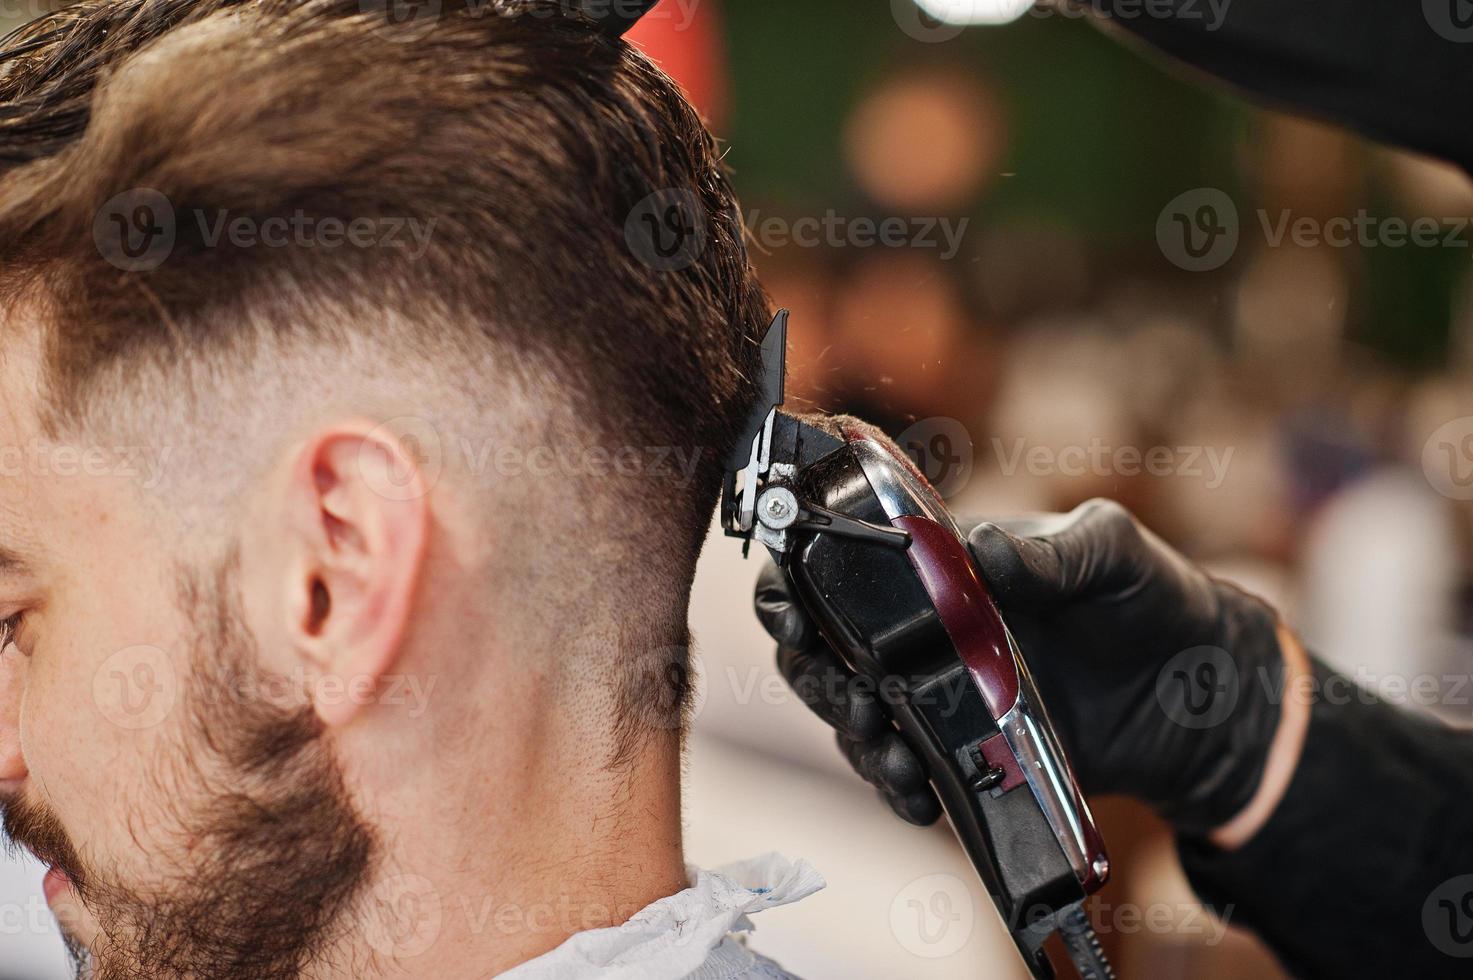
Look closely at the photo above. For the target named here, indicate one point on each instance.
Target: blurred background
(1055, 267)
(1305, 397)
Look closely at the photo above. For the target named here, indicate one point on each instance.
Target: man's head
(363, 391)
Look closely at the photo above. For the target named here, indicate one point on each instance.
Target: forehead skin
(52, 494)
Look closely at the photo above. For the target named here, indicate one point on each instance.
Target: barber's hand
(1161, 680)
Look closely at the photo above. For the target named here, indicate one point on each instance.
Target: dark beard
(278, 853)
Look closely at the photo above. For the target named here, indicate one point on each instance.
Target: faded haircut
(540, 152)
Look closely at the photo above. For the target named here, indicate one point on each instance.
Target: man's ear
(357, 518)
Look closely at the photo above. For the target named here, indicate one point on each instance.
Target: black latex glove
(1163, 682)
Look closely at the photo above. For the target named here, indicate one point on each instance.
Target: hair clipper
(875, 557)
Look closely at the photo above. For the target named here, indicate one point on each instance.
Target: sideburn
(269, 854)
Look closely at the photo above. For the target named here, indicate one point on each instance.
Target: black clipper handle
(921, 620)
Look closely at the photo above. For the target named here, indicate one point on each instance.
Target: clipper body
(879, 564)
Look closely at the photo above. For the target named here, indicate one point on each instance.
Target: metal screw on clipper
(779, 507)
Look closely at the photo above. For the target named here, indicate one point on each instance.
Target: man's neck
(513, 867)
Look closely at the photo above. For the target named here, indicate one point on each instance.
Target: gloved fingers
(830, 689)
(886, 762)
(1037, 561)
(781, 614)
(921, 807)
(1022, 572)
(896, 773)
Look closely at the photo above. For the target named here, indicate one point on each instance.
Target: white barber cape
(692, 934)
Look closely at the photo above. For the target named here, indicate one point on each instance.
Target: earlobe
(367, 553)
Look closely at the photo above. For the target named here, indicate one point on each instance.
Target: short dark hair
(536, 143)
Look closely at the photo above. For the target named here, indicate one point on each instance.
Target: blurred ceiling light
(975, 11)
(926, 142)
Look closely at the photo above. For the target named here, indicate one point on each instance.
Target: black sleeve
(1396, 70)
(1365, 869)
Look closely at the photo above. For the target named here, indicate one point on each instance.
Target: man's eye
(9, 628)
